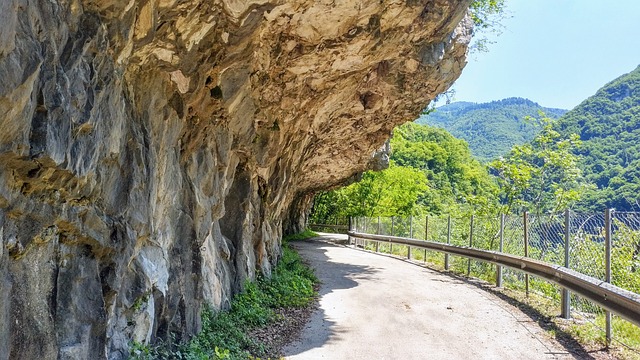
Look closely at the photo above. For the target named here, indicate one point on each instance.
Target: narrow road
(378, 307)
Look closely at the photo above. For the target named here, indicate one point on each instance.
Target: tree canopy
(543, 175)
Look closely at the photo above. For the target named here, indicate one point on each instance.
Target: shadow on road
(333, 276)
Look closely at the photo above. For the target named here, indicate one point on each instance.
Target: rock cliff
(152, 151)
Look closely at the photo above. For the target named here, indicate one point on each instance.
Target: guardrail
(330, 226)
(617, 300)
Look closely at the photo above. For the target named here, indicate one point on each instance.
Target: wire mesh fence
(625, 265)
(578, 241)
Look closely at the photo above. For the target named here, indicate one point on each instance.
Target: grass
(300, 236)
(224, 334)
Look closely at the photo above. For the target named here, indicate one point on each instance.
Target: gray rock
(153, 153)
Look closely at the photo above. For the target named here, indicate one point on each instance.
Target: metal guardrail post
(499, 267)
(607, 264)
(410, 236)
(446, 256)
(525, 219)
(470, 245)
(426, 235)
(378, 242)
(565, 309)
(350, 229)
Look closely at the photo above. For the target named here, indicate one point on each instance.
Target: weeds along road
(378, 307)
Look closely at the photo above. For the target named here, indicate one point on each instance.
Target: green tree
(430, 171)
(486, 16)
(390, 192)
(486, 12)
(457, 182)
(543, 175)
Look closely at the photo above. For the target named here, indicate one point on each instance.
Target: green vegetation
(608, 124)
(485, 12)
(456, 181)
(224, 334)
(430, 172)
(307, 234)
(486, 16)
(541, 176)
(491, 129)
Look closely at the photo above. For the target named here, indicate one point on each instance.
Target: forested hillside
(491, 129)
(608, 124)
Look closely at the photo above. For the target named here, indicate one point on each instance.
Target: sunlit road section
(378, 307)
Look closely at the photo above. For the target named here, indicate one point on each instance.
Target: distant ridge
(492, 128)
(609, 125)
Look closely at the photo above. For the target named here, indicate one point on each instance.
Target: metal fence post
(426, 235)
(498, 267)
(565, 310)
(525, 219)
(378, 242)
(360, 228)
(350, 228)
(446, 255)
(411, 227)
(356, 224)
(470, 245)
(607, 264)
(410, 236)
(390, 244)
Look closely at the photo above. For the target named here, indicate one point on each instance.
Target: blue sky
(555, 52)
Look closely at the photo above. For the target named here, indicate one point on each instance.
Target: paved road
(378, 307)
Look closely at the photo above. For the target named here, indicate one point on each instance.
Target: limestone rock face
(151, 152)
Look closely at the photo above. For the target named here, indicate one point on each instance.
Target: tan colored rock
(152, 152)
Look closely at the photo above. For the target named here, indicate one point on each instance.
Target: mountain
(491, 129)
(609, 125)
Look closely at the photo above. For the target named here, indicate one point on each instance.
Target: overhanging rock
(151, 150)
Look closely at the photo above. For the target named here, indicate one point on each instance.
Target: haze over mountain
(493, 128)
(609, 125)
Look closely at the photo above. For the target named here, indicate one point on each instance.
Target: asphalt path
(378, 307)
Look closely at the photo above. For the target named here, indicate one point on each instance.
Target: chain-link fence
(538, 236)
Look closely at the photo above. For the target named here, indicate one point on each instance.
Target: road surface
(378, 307)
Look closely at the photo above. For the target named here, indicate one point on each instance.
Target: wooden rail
(620, 301)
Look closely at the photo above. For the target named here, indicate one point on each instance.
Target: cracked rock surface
(153, 152)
